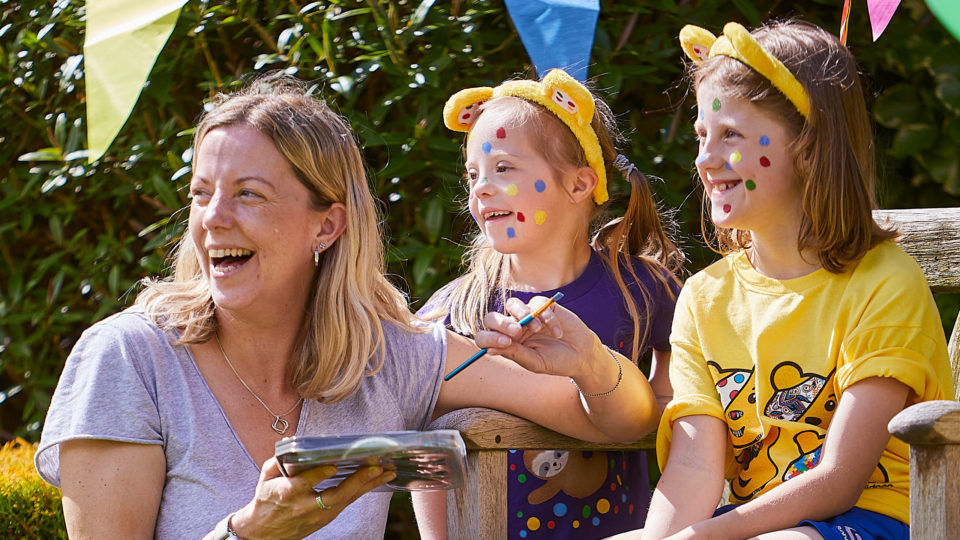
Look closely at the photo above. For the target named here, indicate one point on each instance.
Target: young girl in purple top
(537, 157)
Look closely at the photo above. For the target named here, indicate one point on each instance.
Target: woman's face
(252, 223)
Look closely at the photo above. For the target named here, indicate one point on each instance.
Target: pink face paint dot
(726, 208)
(520, 217)
(764, 161)
(501, 133)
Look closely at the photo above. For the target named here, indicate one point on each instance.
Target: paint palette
(422, 460)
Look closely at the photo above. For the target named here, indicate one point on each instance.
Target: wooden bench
(931, 236)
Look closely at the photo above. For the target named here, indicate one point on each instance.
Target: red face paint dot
(520, 217)
(501, 133)
(764, 161)
(726, 208)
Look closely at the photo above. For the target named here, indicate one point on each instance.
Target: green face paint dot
(751, 185)
(716, 104)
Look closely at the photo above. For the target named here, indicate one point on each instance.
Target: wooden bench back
(931, 236)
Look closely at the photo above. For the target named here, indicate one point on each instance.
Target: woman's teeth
(220, 253)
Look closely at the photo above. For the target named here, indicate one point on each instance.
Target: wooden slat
(934, 492)
(487, 429)
(930, 422)
(923, 228)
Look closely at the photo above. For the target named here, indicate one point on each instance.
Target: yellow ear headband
(736, 42)
(560, 93)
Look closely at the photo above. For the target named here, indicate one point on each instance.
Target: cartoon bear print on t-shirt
(571, 472)
(796, 392)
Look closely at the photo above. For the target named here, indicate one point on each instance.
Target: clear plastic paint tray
(422, 460)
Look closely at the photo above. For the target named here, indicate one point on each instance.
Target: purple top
(559, 494)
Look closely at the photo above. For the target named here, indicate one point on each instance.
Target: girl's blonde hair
(833, 149)
(344, 338)
(639, 234)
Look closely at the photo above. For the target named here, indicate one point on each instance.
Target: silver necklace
(279, 424)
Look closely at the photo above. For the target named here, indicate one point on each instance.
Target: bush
(29, 507)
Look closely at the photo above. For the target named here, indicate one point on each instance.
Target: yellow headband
(560, 93)
(736, 42)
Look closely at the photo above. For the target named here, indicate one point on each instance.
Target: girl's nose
(483, 188)
(709, 156)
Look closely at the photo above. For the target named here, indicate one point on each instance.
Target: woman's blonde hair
(640, 234)
(344, 338)
(833, 149)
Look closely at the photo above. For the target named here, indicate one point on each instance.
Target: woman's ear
(331, 223)
(583, 183)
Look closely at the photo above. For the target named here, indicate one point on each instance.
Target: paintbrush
(523, 322)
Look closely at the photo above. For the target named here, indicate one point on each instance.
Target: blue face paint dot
(540, 185)
(511, 233)
(764, 140)
(559, 509)
(701, 159)
(486, 147)
(701, 114)
(727, 165)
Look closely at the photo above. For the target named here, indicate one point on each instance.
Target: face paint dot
(716, 104)
(483, 180)
(520, 217)
(540, 185)
(501, 133)
(727, 165)
(486, 147)
(540, 217)
(701, 159)
(751, 185)
(700, 114)
(736, 157)
(764, 140)
(726, 208)
(510, 190)
(511, 233)
(764, 161)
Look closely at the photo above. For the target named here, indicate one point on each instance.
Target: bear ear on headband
(696, 42)
(460, 111)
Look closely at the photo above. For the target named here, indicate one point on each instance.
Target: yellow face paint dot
(511, 190)
(736, 157)
(539, 217)
(533, 524)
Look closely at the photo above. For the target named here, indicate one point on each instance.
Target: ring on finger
(320, 502)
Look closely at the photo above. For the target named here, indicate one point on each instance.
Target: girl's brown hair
(833, 149)
(641, 233)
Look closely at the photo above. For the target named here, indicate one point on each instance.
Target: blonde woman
(278, 321)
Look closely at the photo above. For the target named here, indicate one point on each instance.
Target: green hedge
(29, 507)
(75, 237)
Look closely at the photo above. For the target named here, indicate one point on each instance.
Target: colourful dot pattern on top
(607, 510)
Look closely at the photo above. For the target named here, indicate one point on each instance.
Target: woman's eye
(199, 195)
(248, 193)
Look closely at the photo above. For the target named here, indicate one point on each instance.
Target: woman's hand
(288, 507)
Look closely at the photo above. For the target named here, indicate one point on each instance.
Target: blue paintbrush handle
(523, 322)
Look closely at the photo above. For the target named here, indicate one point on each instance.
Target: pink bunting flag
(881, 11)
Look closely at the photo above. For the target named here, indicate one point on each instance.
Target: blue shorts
(854, 524)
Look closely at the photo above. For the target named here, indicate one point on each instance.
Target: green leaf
(44, 154)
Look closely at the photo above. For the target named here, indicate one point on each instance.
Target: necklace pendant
(280, 425)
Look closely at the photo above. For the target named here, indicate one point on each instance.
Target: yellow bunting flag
(123, 39)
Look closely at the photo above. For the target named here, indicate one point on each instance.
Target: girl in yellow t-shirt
(792, 353)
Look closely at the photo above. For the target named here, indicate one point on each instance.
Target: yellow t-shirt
(771, 358)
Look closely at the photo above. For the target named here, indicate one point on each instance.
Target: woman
(278, 321)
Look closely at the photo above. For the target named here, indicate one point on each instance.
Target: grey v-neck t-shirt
(126, 380)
